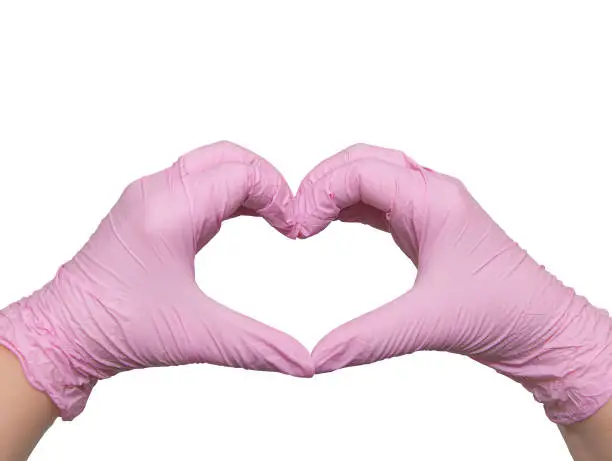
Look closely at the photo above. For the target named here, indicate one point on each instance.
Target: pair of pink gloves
(129, 298)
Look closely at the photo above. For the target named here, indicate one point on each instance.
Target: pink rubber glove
(129, 299)
(477, 292)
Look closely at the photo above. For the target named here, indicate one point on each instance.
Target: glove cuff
(585, 384)
(28, 329)
(571, 372)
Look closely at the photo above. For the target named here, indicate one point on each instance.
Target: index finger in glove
(375, 182)
(269, 195)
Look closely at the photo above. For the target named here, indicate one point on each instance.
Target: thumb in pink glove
(477, 292)
(129, 298)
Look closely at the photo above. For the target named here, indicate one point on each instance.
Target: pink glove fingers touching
(129, 298)
(359, 212)
(477, 292)
(271, 204)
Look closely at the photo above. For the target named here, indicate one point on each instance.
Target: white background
(514, 98)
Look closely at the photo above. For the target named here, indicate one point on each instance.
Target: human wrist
(25, 412)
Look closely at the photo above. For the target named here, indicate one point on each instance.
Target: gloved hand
(477, 292)
(129, 298)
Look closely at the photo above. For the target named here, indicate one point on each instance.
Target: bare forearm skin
(591, 439)
(25, 413)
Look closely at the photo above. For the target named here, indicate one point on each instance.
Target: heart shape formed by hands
(129, 298)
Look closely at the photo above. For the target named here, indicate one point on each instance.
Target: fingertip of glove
(304, 371)
(300, 365)
(335, 352)
(330, 364)
(306, 228)
(292, 230)
(324, 369)
(290, 357)
(289, 230)
(326, 359)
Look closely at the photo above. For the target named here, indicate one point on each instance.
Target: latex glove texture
(129, 298)
(477, 292)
